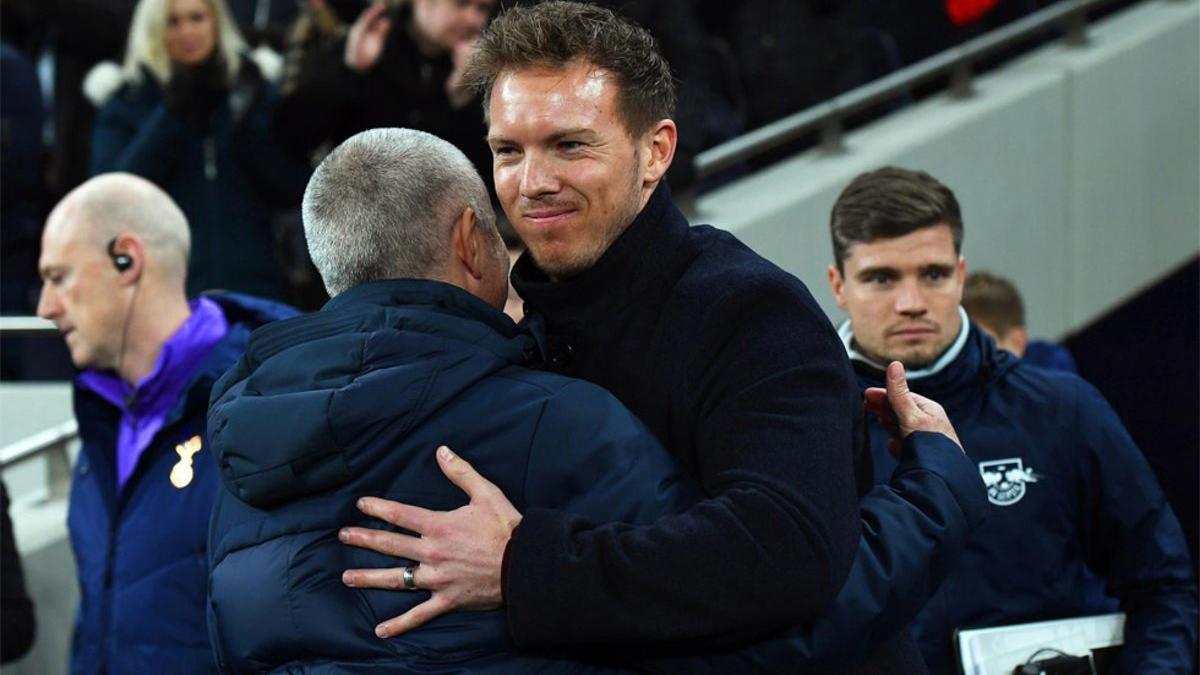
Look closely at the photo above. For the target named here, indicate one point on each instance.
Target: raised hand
(902, 412)
(364, 43)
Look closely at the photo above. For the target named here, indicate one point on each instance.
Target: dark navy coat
(353, 401)
(226, 179)
(1069, 492)
(141, 554)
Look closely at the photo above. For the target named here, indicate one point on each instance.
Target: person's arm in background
(1132, 538)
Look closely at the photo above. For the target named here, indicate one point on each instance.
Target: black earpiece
(122, 261)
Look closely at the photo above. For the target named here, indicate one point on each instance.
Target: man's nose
(48, 306)
(910, 301)
(538, 178)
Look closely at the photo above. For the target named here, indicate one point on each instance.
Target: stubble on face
(903, 296)
(568, 172)
(561, 264)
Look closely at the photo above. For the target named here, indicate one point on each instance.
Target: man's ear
(1017, 340)
(835, 285)
(467, 244)
(131, 251)
(660, 145)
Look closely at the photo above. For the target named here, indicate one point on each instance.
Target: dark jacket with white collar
(1069, 492)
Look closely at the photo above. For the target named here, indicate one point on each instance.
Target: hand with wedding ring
(409, 575)
(457, 553)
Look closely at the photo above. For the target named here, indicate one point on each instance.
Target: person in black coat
(190, 111)
(724, 356)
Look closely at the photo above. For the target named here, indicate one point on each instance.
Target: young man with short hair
(1068, 489)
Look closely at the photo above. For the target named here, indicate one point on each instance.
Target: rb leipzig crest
(1006, 480)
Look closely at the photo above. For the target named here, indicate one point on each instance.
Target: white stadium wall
(1078, 170)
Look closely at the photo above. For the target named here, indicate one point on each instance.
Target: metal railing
(25, 325)
(53, 444)
(956, 64)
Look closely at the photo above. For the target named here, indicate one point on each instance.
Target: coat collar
(846, 333)
(970, 363)
(420, 305)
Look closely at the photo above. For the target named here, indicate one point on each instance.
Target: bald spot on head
(113, 204)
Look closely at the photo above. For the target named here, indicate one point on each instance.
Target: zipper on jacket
(210, 158)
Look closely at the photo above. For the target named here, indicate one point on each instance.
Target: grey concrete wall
(1078, 170)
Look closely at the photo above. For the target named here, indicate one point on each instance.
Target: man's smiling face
(568, 172)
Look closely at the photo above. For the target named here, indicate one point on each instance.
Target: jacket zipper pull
(210, 158)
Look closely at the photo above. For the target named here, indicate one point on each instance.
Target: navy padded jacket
(141, 553)
(1070, 496)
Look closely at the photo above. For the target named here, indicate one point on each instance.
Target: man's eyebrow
(46, 270)
(553, 138)
(578, 131)
(876, 270)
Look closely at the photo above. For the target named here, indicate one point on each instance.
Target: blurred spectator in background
(994, 304)
(17, 625)
(190, 111)
(398, 66)
(113, 265)
(20, 189)
(318, 34)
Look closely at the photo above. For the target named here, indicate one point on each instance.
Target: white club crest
(1005, 480)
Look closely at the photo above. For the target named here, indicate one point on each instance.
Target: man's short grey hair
(382, 205)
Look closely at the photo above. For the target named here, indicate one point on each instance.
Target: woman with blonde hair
(190, 110)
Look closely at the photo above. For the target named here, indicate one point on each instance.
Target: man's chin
(910, 360)
(82, 359)
(560, 268)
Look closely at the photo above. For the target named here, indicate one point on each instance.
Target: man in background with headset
(114, 265)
